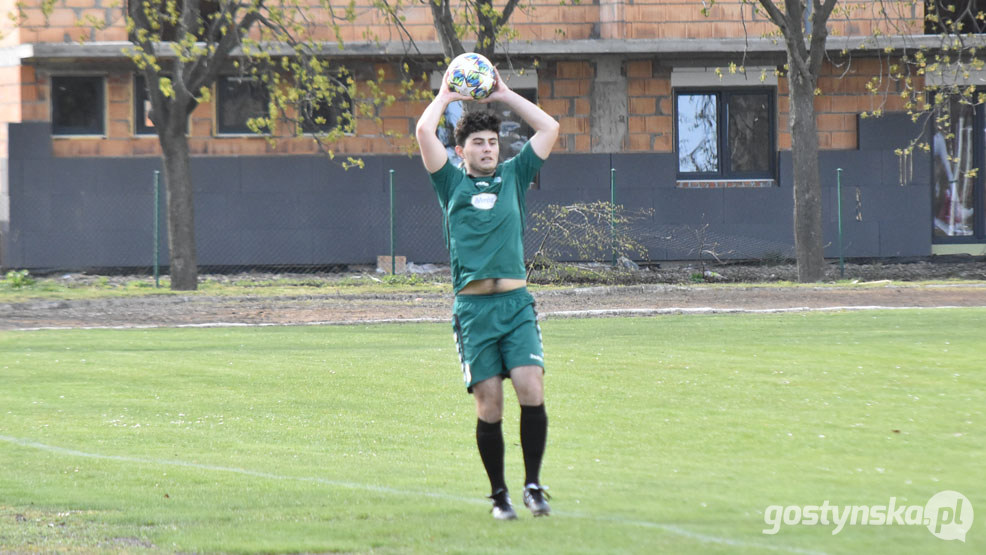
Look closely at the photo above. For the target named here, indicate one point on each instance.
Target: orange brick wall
(564, 91)
(649, 113)
(9, 33)
(844, 95)
(664, 19)
(537, 20)
(736, 19)
(10, 94)
(3, 141)
(370, 138)
(19, 99)
(650, 123)
(543, 20)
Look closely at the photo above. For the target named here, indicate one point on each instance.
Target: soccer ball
(472, 75)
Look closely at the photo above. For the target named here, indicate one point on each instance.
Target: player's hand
(448, 93)
(499, 91)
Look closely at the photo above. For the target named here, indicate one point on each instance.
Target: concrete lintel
(734, 47)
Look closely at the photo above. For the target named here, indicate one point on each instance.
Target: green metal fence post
(612, 212)
(157, 227)
(393, 259)
(838, 193)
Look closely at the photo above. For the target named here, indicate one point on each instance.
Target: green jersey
(484, 218)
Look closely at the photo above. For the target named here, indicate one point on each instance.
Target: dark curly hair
(471, 122)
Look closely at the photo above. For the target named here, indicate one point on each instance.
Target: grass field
(670, 434)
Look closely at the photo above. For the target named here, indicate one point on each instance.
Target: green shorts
(495, 334)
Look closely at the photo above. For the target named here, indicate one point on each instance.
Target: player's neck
(475, 174)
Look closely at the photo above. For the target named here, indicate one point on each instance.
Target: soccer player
(495, 326)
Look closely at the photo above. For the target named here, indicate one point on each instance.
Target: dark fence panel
(307, 213)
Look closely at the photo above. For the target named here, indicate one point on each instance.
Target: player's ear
(458, 151)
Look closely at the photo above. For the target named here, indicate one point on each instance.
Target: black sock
(489, 439)
(533, 436)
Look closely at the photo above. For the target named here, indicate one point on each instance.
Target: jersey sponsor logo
(484, 201)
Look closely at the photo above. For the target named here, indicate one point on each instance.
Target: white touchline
(561, 314)
(677, 530)
(603, 312)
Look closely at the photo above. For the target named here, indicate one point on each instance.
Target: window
(725, 134)
(958, 149)
(239, 100)
(954, 16)
(77, 105)
(324, 116)
(142, 108)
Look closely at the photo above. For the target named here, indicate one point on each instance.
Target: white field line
(605, 312)
(598, 313)
(671, 528)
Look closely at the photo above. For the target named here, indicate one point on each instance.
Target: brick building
(642, 88)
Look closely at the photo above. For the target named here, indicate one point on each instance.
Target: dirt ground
(671, 293)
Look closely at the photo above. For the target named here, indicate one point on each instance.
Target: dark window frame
(58, 129)
(979, 182)
(237, 130)
(724, 95)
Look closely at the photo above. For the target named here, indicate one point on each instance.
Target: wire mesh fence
(310, 231)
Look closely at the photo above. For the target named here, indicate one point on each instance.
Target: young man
(495, 325)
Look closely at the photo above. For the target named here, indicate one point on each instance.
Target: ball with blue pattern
(472, 75)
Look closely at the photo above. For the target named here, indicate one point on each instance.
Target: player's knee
(489, 400)
(529, 383)
(489, 410)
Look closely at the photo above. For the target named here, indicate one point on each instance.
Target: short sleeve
(526, 166)
(443, 180)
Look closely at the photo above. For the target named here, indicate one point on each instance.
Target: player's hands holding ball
(471, 76)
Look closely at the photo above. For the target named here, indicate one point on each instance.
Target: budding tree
(279, 49)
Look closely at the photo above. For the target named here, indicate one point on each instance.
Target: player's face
(480, 152)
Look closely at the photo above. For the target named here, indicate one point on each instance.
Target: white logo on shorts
(537, 357)
(484, 201)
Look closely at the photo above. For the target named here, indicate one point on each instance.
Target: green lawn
(669, 434)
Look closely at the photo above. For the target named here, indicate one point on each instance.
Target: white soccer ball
(472, 75)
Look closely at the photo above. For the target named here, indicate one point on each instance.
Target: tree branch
(819, 33)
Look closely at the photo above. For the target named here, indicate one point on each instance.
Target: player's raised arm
(433, 152)
(545, 126)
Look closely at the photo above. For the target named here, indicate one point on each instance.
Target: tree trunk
(441, 14)
(807, 187)
(181, 208)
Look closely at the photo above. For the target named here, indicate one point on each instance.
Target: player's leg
(528, 382)
(481, 368)
(489, 440)
(523, 354)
